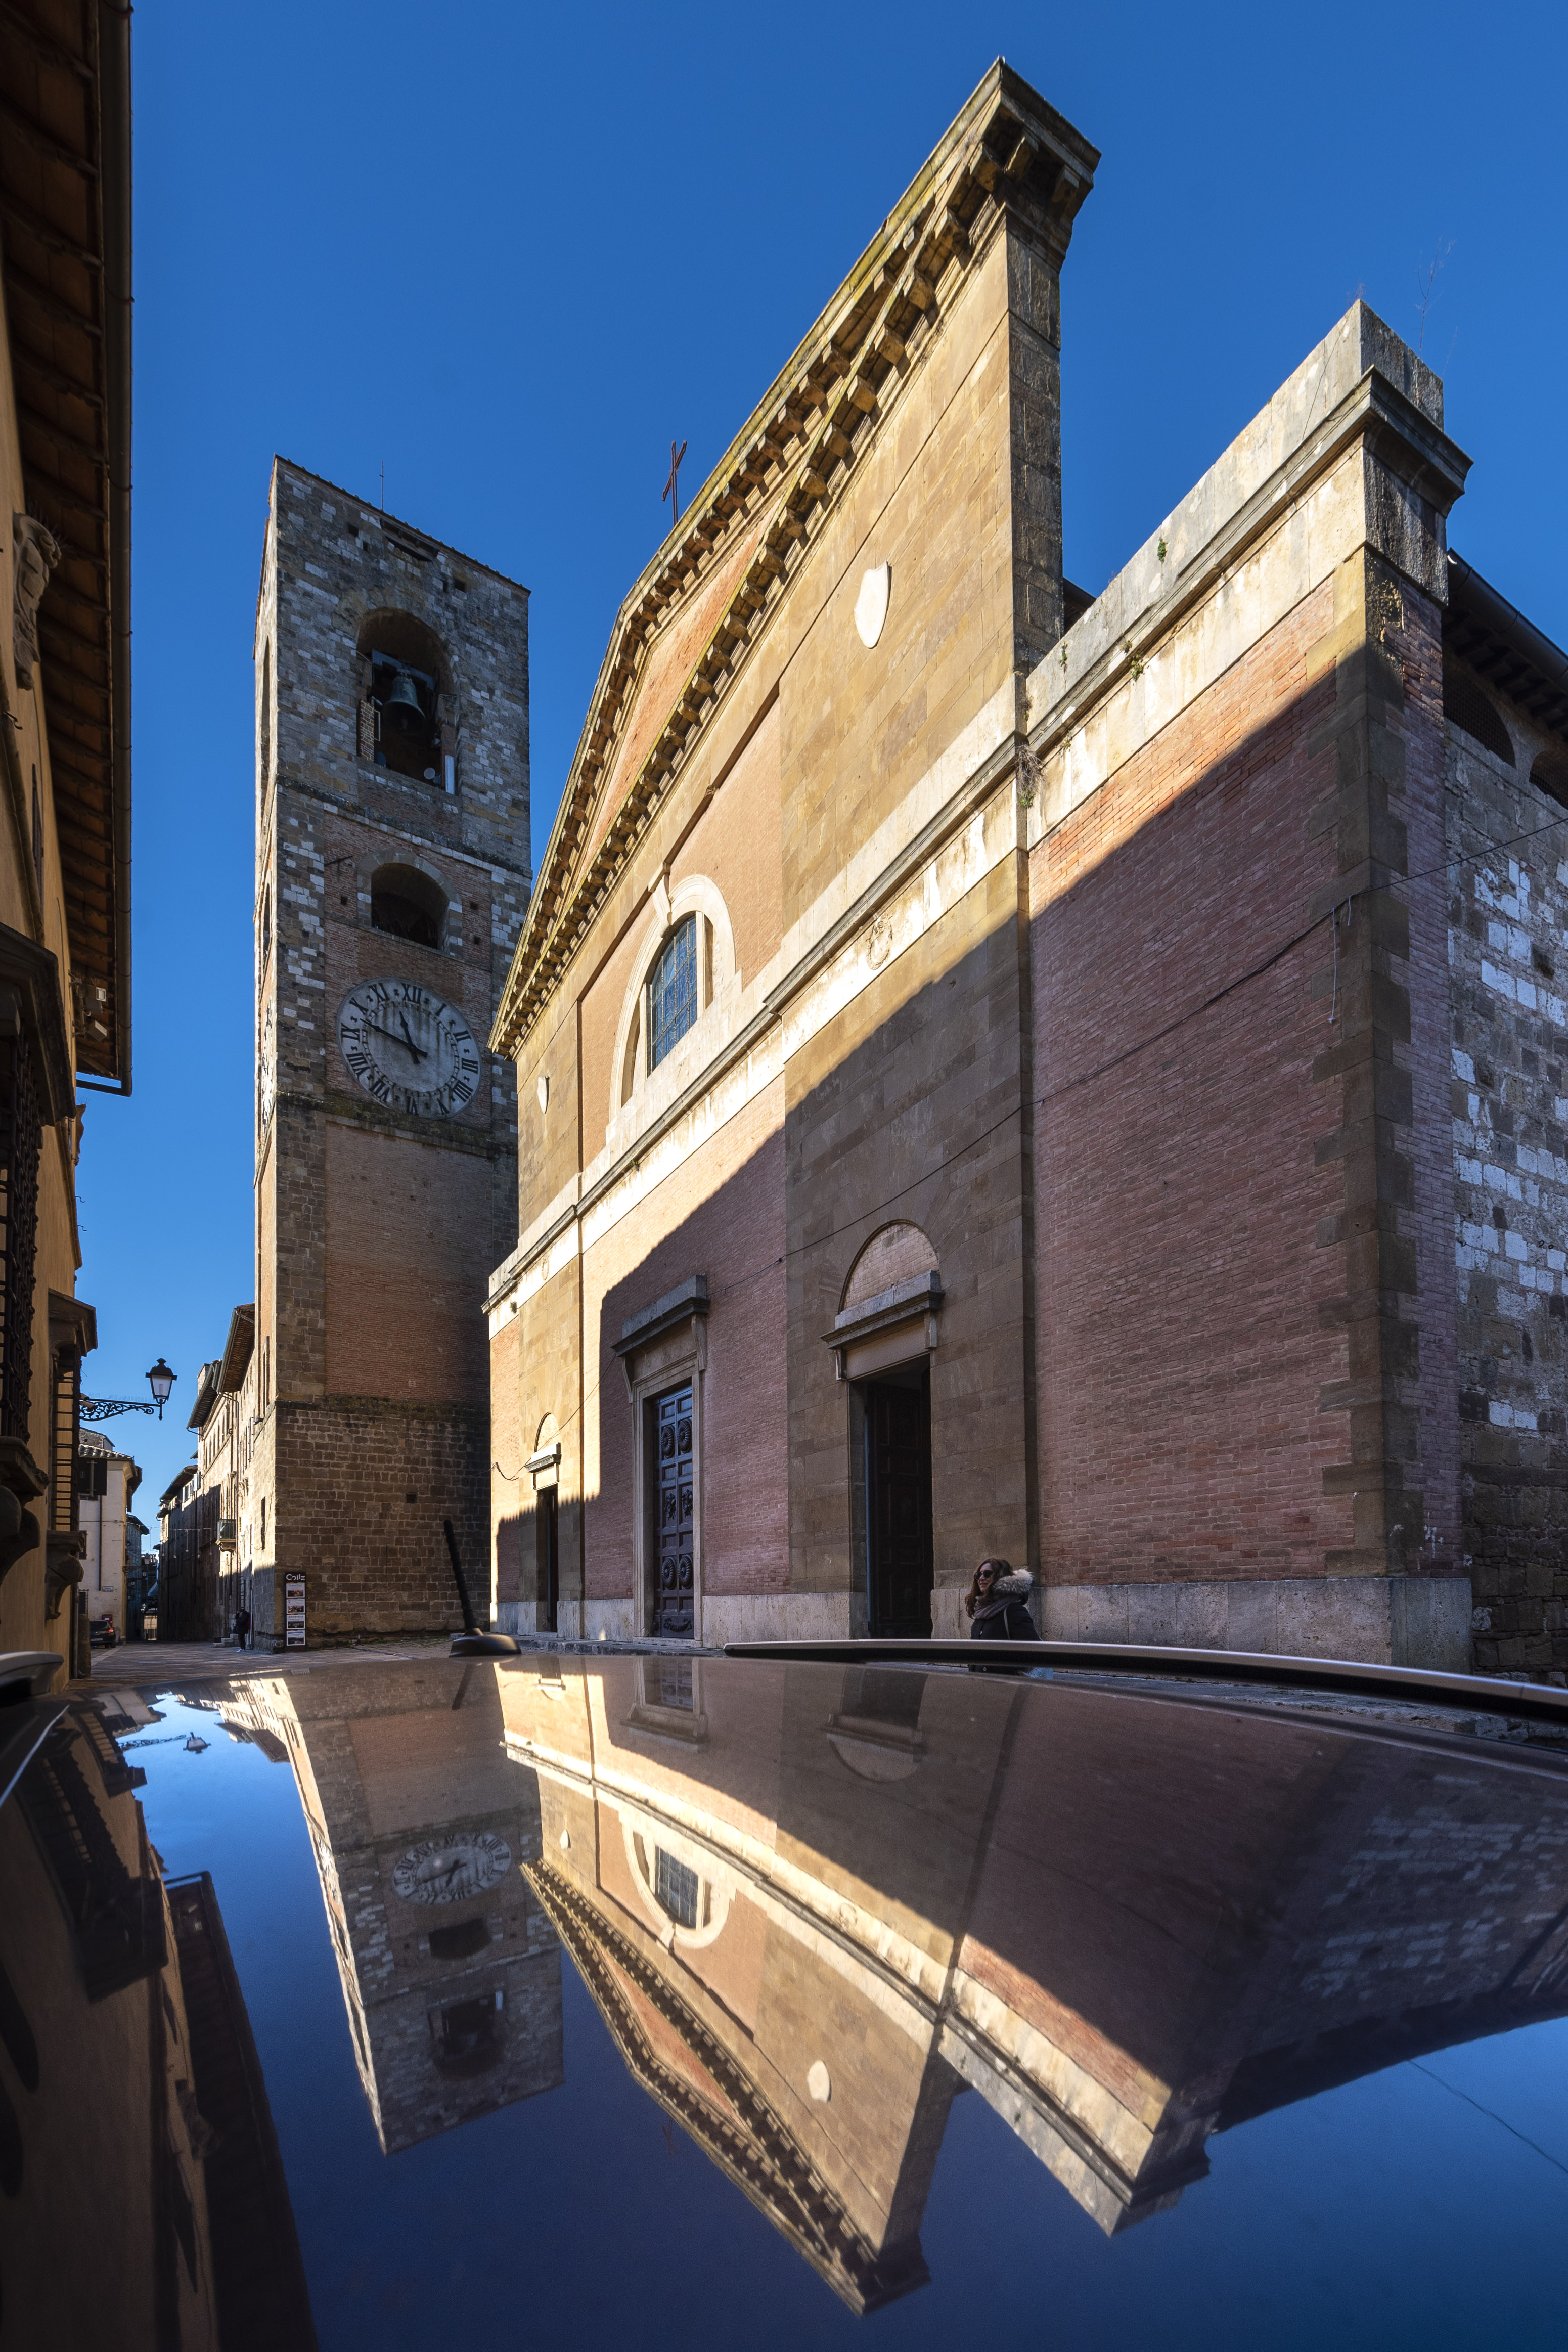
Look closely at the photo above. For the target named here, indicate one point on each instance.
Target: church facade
(989, 1058)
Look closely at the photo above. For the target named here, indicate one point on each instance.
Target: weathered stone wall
(378, 1229)
(364, 1486)
(1507, 939)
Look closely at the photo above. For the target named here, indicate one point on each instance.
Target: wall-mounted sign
(294, 1610)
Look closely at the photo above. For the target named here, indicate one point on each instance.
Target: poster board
(294, 1608)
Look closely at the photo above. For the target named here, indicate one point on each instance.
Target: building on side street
(187, 1577)
(106, 1481)
(65, 749)
(1007, 1069)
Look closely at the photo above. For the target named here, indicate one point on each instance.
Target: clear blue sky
(508, 251)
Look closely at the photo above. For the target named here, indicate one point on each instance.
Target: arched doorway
(886, 1304)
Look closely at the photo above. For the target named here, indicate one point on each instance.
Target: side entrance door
(898, 1506)
(673, 1519)
(547, 1519)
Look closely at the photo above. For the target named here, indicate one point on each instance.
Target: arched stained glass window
(672, 992)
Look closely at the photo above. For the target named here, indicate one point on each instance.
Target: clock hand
(406, 1042)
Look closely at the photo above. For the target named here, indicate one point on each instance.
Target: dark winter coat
(1005, 1616)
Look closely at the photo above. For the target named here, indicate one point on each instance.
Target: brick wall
(409, 1236)
(1181, 1350)
(363, 1489)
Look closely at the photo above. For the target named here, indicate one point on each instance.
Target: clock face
(452, 1870)
(408, 1048)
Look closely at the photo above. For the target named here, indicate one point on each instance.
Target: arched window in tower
(672, 992)
(408, 905)
(404, 721)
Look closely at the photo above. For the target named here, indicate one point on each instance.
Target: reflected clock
(452, 1870)
(408, 1048)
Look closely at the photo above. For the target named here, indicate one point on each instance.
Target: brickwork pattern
(722, 1218)
(362, 1488)
(1179, 1192)
(909, 1107)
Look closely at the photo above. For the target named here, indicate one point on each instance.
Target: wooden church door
(898, 1506)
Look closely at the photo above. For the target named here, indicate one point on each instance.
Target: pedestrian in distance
(242, 1629)
(998, 1603)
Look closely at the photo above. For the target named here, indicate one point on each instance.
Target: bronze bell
(402, 708)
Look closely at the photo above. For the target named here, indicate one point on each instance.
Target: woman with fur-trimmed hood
(998, 1603)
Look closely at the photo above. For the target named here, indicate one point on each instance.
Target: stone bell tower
(391, 878)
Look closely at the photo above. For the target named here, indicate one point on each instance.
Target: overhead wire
(1054, 1093)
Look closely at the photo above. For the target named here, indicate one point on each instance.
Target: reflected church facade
(834, 1899)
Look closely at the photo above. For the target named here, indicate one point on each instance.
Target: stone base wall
(363, 1489)
(1392, 1621)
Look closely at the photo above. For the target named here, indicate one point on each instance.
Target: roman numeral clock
(409, 1049)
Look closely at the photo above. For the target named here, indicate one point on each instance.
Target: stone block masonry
(366, 1485)
(378, 1221)
(1508, 944)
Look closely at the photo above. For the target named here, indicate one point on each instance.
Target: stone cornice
(1008, 154)
(357, 812)
(1146, 601)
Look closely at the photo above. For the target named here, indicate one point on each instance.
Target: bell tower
(391, 878)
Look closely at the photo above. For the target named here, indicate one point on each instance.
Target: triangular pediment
(685, 630)
(672, 2052)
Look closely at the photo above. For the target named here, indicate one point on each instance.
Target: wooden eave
(1505, 649)
(790, 462)
(65, 238)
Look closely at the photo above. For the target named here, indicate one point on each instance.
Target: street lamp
(160, 1379)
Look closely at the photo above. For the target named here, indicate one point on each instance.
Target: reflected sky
(1423, 2202)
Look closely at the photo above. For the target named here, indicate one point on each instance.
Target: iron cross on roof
(672, 489)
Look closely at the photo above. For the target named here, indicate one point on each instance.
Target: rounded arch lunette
(695, 894)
